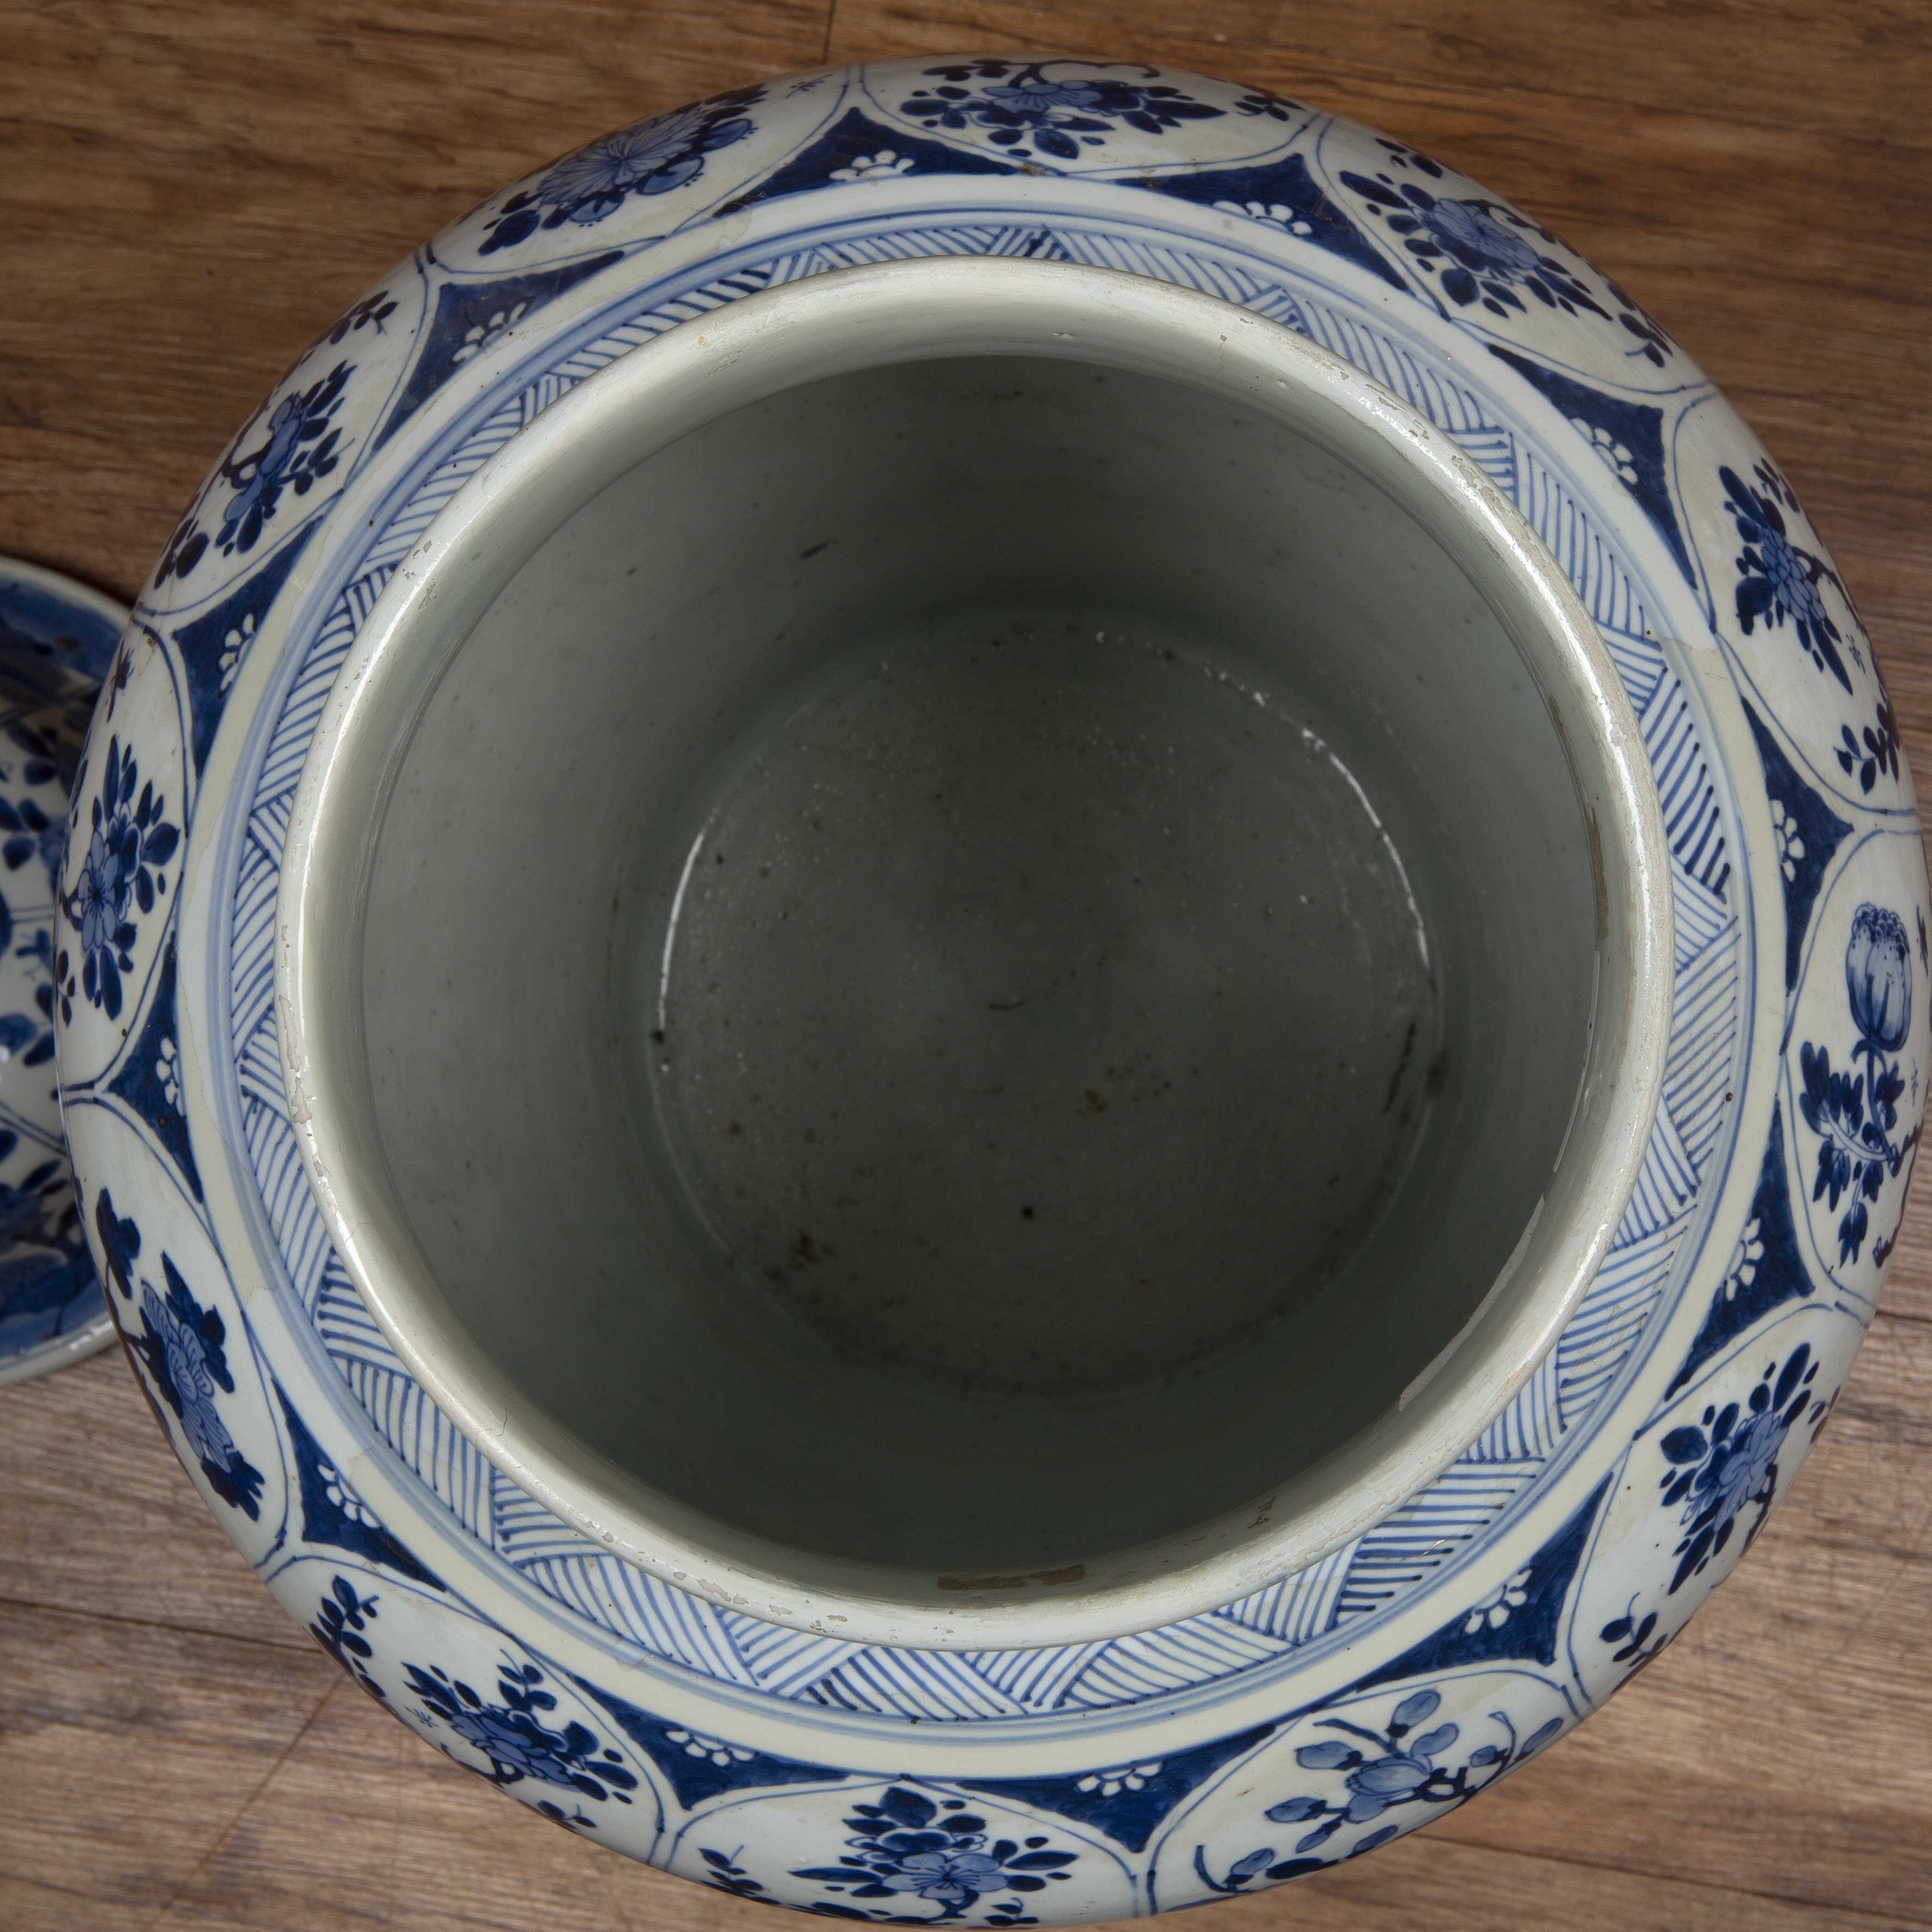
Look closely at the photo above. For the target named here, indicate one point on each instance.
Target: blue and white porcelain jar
(364, 784)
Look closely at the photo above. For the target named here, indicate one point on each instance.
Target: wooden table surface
(187, 193)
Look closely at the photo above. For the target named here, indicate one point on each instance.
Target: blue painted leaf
(1372, 190)
(1793, 1369)
(912, 1844)
(908, 1807)
(1294, 1811)
(110, 983)
(1417, 1709)
(1386, 1777)
(1327, 1755)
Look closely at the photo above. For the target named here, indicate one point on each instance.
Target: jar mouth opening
(707, 1165)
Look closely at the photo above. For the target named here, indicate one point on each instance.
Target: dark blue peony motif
(1727, 1462)
(1060, 106)
(1461, 234)
(653, 158)
(1481, 250)
(184, 1347)
(1777, 579)
(299, 450)
(181, 1343)
(299, 447)
(130, 845)
(910, 1846)
(1484, 237)
(511, 1734)
(341, 1619)
(1397, 1768)
(1855, 1113)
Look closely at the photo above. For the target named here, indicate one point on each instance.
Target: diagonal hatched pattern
(644, 1615)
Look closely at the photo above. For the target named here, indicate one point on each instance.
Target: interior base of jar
(1042, 1018)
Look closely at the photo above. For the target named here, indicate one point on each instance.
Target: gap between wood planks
(299, 1649)
(877, 29)
(227, 1831)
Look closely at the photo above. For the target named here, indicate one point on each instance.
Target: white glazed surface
(1484, 1617)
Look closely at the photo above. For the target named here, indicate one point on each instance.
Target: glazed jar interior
(976, 964)
(975, 956)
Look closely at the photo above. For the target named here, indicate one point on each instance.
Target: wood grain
(188, 193)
